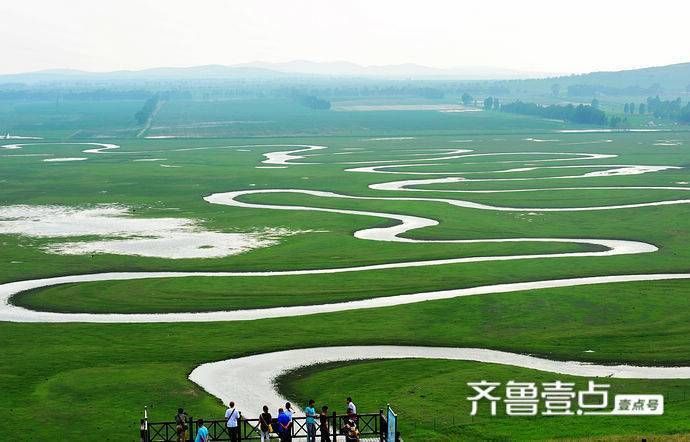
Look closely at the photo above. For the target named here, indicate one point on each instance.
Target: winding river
(249, 380)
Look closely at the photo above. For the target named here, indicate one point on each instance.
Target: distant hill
(165, 73)
(298, 68)
(675, 77)
(672, 79)
(405, 70)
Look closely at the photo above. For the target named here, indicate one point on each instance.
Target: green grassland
(241, 117)
(98, 376)
(69, 119)
(433, 398)
(83, 380)
(266, 117)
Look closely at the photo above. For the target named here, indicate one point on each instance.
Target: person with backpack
(181, 425)
(233, 416)
(265, 425)
(201, 432)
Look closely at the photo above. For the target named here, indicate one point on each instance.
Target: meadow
(93, 379)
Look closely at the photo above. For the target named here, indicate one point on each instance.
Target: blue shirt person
(283, 421)
(310, 412)
(201, 432)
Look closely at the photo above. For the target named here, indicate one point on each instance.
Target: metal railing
(370, 426)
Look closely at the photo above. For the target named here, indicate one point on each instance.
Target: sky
(553, 36)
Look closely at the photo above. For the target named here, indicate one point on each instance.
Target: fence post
(143, 431)
(239, 425)
(335, 427)
(190, 426)
(381, 422)
(144, 426)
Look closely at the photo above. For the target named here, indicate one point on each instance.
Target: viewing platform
(381, 426)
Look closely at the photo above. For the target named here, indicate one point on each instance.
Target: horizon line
(449, 70)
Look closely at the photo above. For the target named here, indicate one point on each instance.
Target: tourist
(325, 424)
(283, 425)
(233, 416)
(289, 412)
(351, 410)
(181, 425)
(310, 412)
(201, 432)
(351, 431)
(351, 407)
(266, 425)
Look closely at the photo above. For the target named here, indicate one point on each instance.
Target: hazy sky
(534, 35)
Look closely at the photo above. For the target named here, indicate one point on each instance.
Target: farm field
(142, 260)
(242, 117)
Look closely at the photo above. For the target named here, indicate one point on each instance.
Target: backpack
(269, 426)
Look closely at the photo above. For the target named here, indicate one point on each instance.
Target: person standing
(181, 425)
(233, 416)
(201, 432)
(310, 412)
(289, 412)
(351, 409)
(283, 425)
(265, 425)
(324, 423)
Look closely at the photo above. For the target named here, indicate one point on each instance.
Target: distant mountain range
(175, 73)
(406, 70)
(675, 76)
(258, 69)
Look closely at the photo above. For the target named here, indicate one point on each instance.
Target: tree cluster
(629, 108)
(82, 95)
(492, 103)
(582, 114)
(588, 90)
(684, 116)
(664, 108)
(313, 102)
(147, 110)
(670, 109)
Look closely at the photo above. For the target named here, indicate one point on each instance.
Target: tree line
(492, 103)
(671, 109)
(218, 89)
(84, 95)
(143, 114)
(658, 108)
(581, 114)
(313, 102)
(588, 90)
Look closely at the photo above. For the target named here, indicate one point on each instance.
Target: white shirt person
(351, 406)
(232, 415)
